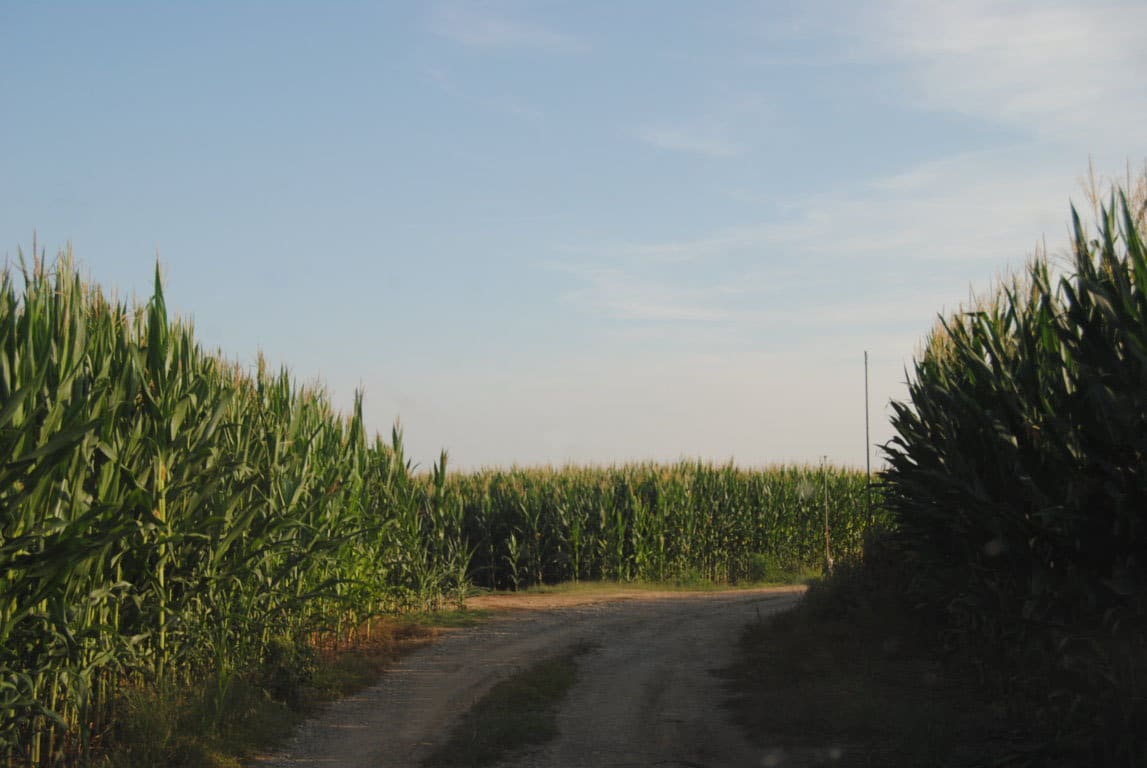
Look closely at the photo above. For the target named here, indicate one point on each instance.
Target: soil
(645, 696)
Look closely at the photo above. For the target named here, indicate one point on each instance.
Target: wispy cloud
(707, 247)
(706, 140)
(476, 28)
(625, 295)
(1061, 71)
(977, 207)
(877, 260)
(719, 133)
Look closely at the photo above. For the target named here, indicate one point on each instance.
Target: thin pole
(867, 445)
(824, 478)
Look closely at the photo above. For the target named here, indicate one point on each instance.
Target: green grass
(697, 584)
(456, 619)
(518, 712)
(174, 729)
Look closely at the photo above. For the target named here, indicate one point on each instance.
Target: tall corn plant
(52, 539)
(165, 516)
(1017, 486)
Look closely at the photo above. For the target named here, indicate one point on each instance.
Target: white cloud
(471, 27)
(866, 266)
(975, 208)
(1063, 71)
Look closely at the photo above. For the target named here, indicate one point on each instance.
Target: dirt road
(644, 697)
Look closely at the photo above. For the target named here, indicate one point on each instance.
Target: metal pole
(867, 446)
(824, 477)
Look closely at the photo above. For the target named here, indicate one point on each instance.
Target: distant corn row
(1018, 483)
(165, 516)
(653, 522)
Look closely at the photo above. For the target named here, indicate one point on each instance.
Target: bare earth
(646, 696)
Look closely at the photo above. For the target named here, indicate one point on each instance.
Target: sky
(550, 232)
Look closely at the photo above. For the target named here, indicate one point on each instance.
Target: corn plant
(1017, 487)
(652, 522)
(165, 516)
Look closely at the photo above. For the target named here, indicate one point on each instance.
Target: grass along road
(516, 713)
(645, 695)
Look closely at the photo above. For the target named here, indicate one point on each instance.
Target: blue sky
(550, 231)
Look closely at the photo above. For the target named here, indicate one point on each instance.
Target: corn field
(655, 522)
(1018, 489)
(166, 517)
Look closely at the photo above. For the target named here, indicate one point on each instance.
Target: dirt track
(644, 697)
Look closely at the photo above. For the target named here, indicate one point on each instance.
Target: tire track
(645, 697)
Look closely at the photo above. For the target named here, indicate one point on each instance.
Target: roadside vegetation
(170, 727)
(855, 676)
(1015, 554)
(768, 577)
(179, 535)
